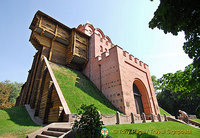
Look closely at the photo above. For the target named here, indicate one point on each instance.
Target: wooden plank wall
(44, 98)
(53, 115)
(56, 52)
(59, 55)
(44, 93)
(78, 48)
(69, 52)
(34, 70)
(81, 46)
(37, 83)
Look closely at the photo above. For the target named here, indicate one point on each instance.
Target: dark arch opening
(138, 100)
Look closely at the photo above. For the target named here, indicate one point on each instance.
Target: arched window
(138, 100)
(101, 49)
(124, 53)
(130, 57)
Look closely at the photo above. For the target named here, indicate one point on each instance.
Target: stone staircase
(194, 124)
(191, 122)
(54, 130)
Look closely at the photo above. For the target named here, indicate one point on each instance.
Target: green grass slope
(77, 90)
(16, 123)
(153, 130)
(162, 112)
(196, 120)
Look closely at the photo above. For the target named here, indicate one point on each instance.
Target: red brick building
(121, 77)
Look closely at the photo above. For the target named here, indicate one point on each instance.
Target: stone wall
(112, 119)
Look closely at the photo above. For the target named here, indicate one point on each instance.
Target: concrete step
(194, 126)
(61, 129)
(52, 130)
(52, 133)
(44, 136)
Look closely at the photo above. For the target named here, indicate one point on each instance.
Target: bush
(89, 125)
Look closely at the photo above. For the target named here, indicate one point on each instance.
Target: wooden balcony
(53, 35)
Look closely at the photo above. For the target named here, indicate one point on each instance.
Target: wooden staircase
(54, 130)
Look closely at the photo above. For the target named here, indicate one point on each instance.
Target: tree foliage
(178, 91)
(89, 125)
(156, 83)
(4, 96)
(180, 81)
(16, 88)
(8, 93)
(173, 16)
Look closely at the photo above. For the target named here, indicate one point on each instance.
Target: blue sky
(125, 22)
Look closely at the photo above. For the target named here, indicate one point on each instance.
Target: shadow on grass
(145, 135)
(89, 88)
(138, 135)
(20, 116)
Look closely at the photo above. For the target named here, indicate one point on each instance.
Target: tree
(4, 96)
(176, 89)
(173, 16)
(8, 93)
(156, 83)
(16, 88)
(89, 125)
(198, 111)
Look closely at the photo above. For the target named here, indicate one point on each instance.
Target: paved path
(35, 119)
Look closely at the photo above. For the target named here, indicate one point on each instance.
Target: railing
(111, 119)
(125, 119)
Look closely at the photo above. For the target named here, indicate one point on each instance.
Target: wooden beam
(38, 84)
(21, 94)
(56, 30)
(51, 50)
(27, 86)
(34, 67)
(37, 109)
(74, 41)
(34, 78)
(52, 43)
(31, 79)
(40, 22)
(48, 102)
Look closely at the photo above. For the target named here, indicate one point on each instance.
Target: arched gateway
(138, 100)
(142, 101)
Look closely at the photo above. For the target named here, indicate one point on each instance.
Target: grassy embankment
(16, 123)
(197, 120)
(77, 90)
(162, 112)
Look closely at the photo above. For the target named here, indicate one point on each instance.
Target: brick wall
(114, 71)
